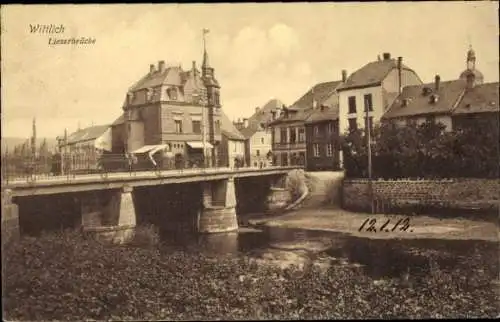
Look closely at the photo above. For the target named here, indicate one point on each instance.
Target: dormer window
(426, 91)
(404, 102)
(434, 98)
(149, 94)
(172, 93)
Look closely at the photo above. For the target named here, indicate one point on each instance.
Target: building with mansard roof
(289, 143)
(176, 109)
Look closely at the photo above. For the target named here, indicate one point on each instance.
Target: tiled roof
(170, 76)
(419, 104)
(89, 133)
(119, 120)
(262, 116)
(320, 92)
(371, 74)
(327, 114)
(480, 99)
(298, 115)
(228, 129)
(303, 107)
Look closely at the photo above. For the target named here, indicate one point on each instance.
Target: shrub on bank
(296, 183)
(66, 277)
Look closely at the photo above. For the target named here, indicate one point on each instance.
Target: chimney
(245, 123)
(151, 68)
(257, 109)
(344, 75)
(386, 56)
(437, 81)
(194, 65)
(161, 66)
(400, 67)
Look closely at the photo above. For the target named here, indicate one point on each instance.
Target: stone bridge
(110, 206)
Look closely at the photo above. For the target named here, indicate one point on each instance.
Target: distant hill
(10, 142)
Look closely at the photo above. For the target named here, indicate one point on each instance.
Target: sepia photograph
(250, 161)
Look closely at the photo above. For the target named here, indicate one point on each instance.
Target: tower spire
(205, 54)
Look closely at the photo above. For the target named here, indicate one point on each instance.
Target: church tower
(213, 95)
(471, 76)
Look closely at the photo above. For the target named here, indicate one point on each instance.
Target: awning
(150, 148)
(199, 145)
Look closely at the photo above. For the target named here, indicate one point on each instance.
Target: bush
(146, 236)
(424, 151)
(296, 183)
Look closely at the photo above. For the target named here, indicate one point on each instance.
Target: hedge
(424, 151)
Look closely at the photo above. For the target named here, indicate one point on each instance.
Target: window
(431, 119)
(217, 126)
(284, 159)
(196, 127)
(329, 128)
(316, 150)
(293, 135)
(257, 152)
(262, 140)
(178, 126)
(316, 130)
(368, 102)
(283, 135)
(172, 93)
(370, 125)
(352, 104)
(329, 150)
(302, 134)
(353, 124)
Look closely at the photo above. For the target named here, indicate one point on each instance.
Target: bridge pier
(218, 213)
(10, 218)
(112, 218)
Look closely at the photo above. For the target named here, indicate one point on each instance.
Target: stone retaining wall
(10, 218)
(470, 194)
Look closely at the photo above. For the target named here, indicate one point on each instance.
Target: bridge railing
(68, 167)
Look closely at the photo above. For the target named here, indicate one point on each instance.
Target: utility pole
(369, 148)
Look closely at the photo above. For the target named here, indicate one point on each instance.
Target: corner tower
(213, 96)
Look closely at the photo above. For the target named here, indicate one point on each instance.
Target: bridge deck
(113, 180)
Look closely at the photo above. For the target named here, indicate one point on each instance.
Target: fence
(19, 168)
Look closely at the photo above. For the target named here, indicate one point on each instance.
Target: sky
(259, 51)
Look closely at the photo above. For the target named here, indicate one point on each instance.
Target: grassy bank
(66, 277)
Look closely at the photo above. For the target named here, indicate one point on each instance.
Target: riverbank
(421, 226)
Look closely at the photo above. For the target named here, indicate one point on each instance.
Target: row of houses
(308, 131)
(179, 112)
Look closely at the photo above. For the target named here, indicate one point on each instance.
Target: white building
(374, 86)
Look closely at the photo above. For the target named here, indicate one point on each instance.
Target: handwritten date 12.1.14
(371, 225)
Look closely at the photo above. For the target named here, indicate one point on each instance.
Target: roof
(119, 120)
(303, 107)
(320, 92)
(419, 104)
(480, 99)
(87, 134)
(228, 129)
(372, 74)
(170, 76)
(325, 114)
(296, 116)
(262, 116)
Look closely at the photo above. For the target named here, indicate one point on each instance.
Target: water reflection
(379, 258)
